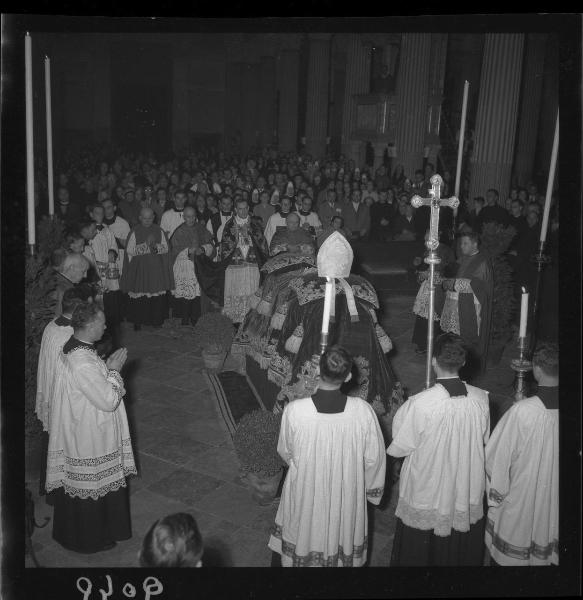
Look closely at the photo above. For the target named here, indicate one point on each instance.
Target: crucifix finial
(435, 201)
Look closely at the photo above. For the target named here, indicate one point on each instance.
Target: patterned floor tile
(189, 487)
(177, 447)
(220, 462)
(231, 503)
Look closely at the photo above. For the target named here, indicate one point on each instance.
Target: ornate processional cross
(435, 202)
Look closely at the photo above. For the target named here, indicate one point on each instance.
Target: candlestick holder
(522, 366)
(323, 342)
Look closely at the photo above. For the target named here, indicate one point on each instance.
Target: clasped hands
(117, 359)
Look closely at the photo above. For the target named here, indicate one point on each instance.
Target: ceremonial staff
(435, 201)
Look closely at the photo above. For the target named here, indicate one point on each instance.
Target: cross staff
(436, 202)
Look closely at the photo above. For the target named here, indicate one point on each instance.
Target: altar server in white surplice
(522, 467)
(90, 451)
(55, 334)
(336, 455)
(441, 432)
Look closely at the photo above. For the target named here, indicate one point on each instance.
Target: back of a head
(173, 541)
(58, 259)
(73, 297)
(335, 364)
(546, 358)
(450, 352)
(83, 315)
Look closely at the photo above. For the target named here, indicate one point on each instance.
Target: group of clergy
(185, 258)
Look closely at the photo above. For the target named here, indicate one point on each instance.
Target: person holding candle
(467, 310)
(522, 473)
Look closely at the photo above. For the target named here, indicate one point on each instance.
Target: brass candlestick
(522, 366)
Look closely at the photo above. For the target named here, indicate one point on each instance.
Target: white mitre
(335, 256)
(335, 261)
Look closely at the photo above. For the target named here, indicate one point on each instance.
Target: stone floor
(186, 457)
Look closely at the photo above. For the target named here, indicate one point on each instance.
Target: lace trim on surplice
(425, 519)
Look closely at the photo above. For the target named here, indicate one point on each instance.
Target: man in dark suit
(357, 218)
(492, 212)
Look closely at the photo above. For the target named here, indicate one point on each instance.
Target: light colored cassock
(120, 229)
(90, 451)
(522, 466)
(101, 244)
(275, 221)
(336, 463)
(49, 365)
(442, 480)
(170, 220)
(313, 220)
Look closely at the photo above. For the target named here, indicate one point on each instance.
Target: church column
(102, 97)
(267, 101)
(497, 114)
(287, 125)
(357, 82)
(435, 98)
(233, 83)
(250, 102)
(412, 101)
(532, 81)
(317, 110)
(180, 119)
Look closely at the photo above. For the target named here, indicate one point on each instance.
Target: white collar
(240, 221)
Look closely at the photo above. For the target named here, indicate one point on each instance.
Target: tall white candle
(29, 141)
(550, 183)
(327, 305)
(49, 135)
(523, 314)
(460, 150)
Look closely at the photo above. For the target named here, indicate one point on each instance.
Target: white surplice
(52, 342)
(90, 452)
(442, 480)
(522, 464)
(336, 463)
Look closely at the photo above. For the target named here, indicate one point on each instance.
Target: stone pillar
(435, 99)
(412, 101)
(379, 154)
(267, 101)
(287, 125)
(317, 109)
(497, 114)
(357, 82)
(233, 82)
(532, 81)
(250, 115)
(180, 119)
(102, 87)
